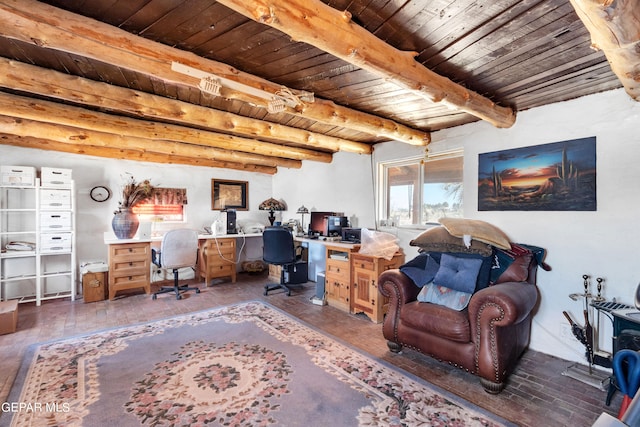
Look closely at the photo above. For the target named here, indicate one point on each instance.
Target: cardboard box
(55, 221)
(55, 177)
(19, 176)
(55, 243)
(8, 316)
(53, 199)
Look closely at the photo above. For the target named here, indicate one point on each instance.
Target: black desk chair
(279, 249)
(179, 249)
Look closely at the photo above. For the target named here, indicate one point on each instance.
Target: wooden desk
(351, 278)
(130, 260)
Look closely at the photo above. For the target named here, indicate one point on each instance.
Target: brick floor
(537, 393)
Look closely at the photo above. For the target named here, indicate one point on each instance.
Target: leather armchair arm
(398, 287)
(500, 320)
(513, 302)
(400, 290)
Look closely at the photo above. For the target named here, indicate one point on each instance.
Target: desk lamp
(303, 210)
(272, 205)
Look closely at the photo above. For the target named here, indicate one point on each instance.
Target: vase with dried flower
(125, 222)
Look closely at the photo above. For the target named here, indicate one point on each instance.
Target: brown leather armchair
(486, 338)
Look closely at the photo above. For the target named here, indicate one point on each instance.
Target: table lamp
(302, 210)
(272, 205)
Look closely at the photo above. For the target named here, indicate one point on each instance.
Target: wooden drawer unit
(365, 297)
(129, 267)
(217, 258)
(338, 278)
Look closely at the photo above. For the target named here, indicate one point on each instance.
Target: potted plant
(125, 222)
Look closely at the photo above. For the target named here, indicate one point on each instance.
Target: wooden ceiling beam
(46, 26)
(53, 84)
(615, 29)
(315, 23)
(126, 154)
(53, 113)
(74, 135)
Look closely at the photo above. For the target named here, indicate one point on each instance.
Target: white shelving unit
(44, 265)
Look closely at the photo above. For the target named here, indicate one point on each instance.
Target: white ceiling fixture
(276, 102)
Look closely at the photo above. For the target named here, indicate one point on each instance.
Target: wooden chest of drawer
(338, 278)
(217, 258)
(129, 267)
(365, 296)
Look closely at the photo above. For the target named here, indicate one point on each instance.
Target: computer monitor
(316, 223)
(335, 225)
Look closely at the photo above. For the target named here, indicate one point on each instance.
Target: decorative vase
(125, 223)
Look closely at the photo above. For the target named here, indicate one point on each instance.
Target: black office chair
(179, 249)
(279, 249)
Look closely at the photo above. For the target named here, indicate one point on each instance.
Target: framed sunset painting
(559, 176)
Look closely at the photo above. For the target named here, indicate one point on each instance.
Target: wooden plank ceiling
(95, 76)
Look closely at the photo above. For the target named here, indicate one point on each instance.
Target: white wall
(600, 243)
(94, 219)
(344, 185)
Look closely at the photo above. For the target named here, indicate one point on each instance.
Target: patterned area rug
(246, 364)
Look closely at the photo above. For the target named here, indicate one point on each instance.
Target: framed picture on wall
(560, 176)
(227, 194)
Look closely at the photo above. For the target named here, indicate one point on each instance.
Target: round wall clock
(100, 193)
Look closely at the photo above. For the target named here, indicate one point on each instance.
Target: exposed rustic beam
(126, 154)
(615, 29)
(332, 31)
(46, 26)
(50, 112)
(53, 84)
(74, 135)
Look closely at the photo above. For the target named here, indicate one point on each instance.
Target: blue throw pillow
(421, 271)
(442, 295)
(458, 274)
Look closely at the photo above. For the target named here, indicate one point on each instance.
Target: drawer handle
(130, 249)
(130, 264)
(130, 277)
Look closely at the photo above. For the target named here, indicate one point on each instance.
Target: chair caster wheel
(197, 290)
(265, 292)
(154, 296)
(178, 296)
(289, 293)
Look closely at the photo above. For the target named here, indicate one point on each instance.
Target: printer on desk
(351, 235)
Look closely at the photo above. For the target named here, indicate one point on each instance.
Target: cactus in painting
(567, 172)
(497, 182)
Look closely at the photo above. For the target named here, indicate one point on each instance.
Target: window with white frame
(419, 191)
